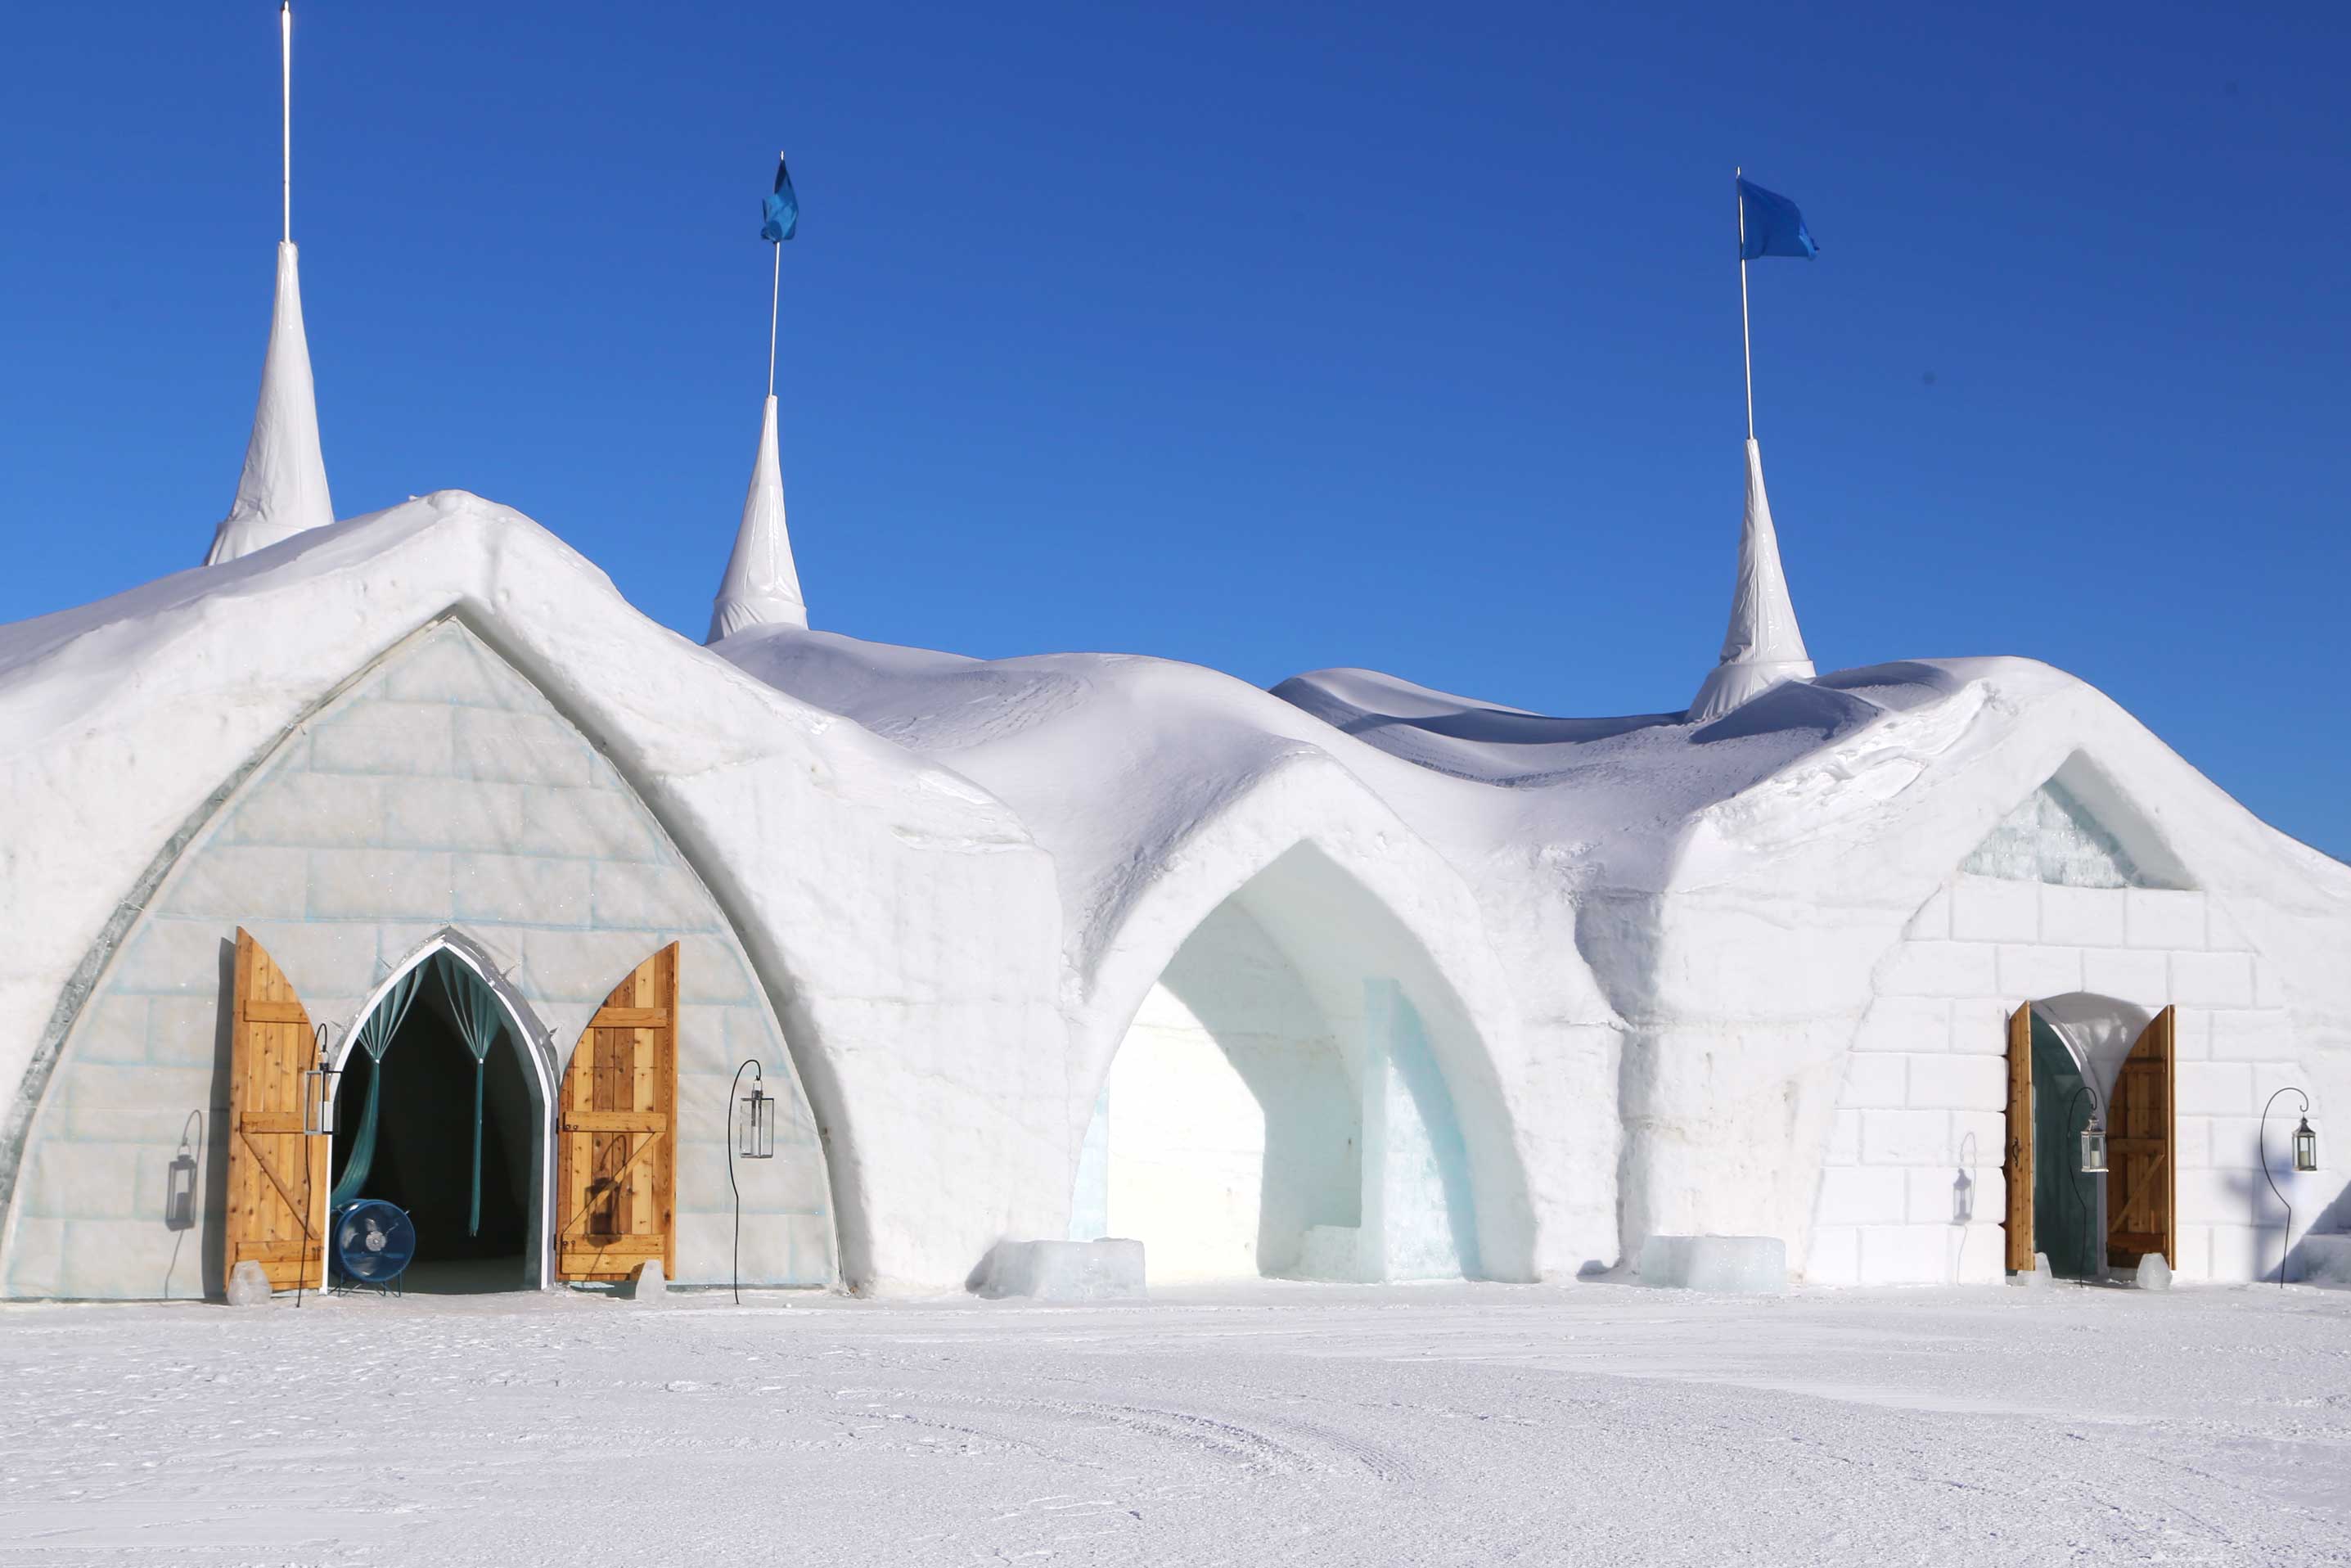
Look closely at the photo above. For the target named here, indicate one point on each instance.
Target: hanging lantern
(2094, 1146)
(318, 1086)
(2306, 1147)
(758, 1141)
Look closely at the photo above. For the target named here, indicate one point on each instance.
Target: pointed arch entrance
(1284, 1100)
(2071, 1058)
(446, 1108)
(573, 1173)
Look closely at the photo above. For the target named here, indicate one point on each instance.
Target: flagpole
(775, 301)
(1746, 341)
(285, 115)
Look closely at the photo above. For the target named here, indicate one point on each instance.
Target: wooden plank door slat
(2142, 1183)
(617, 1159)
(2016, 1170)
(276, 1177)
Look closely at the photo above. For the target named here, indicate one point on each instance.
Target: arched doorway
(444, 1109)
(1276, 1106)
(2070, 1058)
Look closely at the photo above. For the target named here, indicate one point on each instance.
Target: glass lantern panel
(758, 1142)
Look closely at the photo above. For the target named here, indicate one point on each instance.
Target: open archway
(1281, 1102)
(445, 1108)
(2075, 1062)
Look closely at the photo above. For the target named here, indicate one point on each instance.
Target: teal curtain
(374, 1039)
(476, 1012)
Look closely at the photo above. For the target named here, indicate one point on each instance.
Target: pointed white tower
(284, 487)
(1763, 646)
(762, 587)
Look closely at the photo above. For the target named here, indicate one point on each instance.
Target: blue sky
(1269, 337)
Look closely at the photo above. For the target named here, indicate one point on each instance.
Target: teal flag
(781, 211)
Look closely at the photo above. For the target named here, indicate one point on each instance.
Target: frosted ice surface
(2323, 1260)
(247, 1285)
(1107, 1269)
(1332, 1252)
(2053, 838)
(1743, 1263)
(2154, 1273)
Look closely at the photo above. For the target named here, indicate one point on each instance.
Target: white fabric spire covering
(284, 488)
(762, 588)
(1763, 646)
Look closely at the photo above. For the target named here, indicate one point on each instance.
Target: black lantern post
(2305, 1158)
(756, 1142)
(318, 1086)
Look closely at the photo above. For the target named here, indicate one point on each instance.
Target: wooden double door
(2142, 1166)
(615, 1203)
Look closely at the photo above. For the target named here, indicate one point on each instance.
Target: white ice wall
(1184, 1147)
(1924, 1099)
(1229, 1121)
(1419, 1217)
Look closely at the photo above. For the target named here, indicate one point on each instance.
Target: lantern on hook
(318, 1086)
(2094, 1146)
(758, 1127)
(2306, 1147)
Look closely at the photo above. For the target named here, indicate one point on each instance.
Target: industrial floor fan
(373, 1243)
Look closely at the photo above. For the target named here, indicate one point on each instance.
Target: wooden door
(2017, 1169)
(276, 1177)
(2141, 1214)
(616, 1155)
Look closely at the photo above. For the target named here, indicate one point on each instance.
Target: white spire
(761, 587)
(1763, 646)
(284, 487)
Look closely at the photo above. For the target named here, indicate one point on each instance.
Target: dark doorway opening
(2066, 1218)
(423, 1154)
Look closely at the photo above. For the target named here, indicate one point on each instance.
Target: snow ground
(1592, 1424)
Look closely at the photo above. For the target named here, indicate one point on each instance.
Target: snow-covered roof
(1019, 846)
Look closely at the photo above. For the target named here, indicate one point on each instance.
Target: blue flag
(1772, 225)
(782, 210)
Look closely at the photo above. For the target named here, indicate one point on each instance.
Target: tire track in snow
(1229, 1439)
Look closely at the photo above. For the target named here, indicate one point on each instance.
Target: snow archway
(1278, 1105)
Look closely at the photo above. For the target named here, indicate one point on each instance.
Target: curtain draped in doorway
(375, 1038)
(473, 1010)
(476, 1012)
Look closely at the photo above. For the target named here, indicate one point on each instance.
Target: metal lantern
(318, 1086)
(179, 1189)
(2094, 1146)
(758, 1140)
(2306, 1147)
